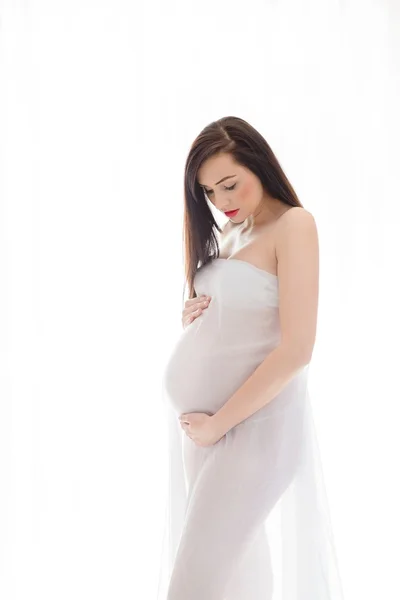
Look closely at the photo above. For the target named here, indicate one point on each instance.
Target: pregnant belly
(202, 372)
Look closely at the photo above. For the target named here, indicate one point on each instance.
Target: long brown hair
(248, 147)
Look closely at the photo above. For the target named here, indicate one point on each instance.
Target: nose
(222, 206)
(219, 205)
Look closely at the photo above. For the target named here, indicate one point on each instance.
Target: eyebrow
(221, 180)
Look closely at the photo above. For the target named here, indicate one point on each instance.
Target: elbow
(299, 354)
(305, 359)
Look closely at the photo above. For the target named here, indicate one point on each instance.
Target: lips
(231, 213)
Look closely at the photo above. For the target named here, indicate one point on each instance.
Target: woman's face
(240, 190)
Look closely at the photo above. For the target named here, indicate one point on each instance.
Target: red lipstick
(232, 213)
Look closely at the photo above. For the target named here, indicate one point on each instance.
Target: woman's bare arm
(298, 271)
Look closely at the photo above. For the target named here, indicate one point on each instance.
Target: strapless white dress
(246, 518)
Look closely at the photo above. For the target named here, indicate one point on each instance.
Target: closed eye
(232, 187)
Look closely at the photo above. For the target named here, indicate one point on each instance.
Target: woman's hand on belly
(193, 309)
(201, 428)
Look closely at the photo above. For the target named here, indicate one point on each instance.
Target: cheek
(245, 192)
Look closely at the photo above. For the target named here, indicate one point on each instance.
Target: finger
(191, 318)
(195, 306)
(195, 311)
(192, 301)
(202, 304)
(188, 317)
(187, 321)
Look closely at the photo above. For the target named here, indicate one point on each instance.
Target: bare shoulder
(296, 242)
(296, 214)
(296, 219)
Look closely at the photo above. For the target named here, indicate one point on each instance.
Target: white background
(99, 103)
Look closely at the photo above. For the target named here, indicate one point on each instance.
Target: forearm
(268, 379)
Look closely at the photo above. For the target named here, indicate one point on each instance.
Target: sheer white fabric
(246, 518)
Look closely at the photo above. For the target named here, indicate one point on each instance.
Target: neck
(266, 212)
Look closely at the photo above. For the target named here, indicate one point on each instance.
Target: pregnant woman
(247, 514)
